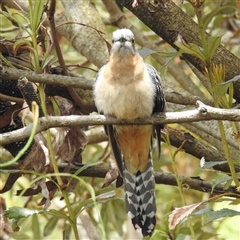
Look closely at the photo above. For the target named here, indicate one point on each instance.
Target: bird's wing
(159, 103)
(110, 131)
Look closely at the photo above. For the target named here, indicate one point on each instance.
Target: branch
(118, 18)
(174, 95)
(177, 137)
(203, 112)
(88, 39)
(193, 146)
(194, 183)
(168, 22)
(67, 81)
(208, 132)
(16, 4)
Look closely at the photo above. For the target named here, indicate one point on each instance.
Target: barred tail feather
(140, 199)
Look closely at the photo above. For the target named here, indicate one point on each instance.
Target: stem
(237, 133)
(56, 170)
(208, 62)
(202, 33)
(71, 213)
(179, 183)
(37, 68)
(35, 110)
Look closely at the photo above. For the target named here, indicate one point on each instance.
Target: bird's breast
(125, 99)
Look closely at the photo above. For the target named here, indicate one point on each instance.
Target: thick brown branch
(117, 17)
(198, 149)
(168, 22)
(172, 95)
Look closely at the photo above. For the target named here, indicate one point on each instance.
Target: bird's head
(123, 42)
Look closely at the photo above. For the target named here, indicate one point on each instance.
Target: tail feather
(140, 198)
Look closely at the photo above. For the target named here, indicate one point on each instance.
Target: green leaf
(15, 226)
(46, 61)
(215, 182)
(236, 162)
(168, 54)
(164, 67)
(212, 45)
(111, 214)
(102, 198)
(16, 213)
(169, 206)
(191, 49)
(185, 230)
(167, 210)
(49, 227)
(227, 184)
(208, 17)
(213, 215)
(25, 15)
(182, 237)
(221, 89)
(160, 235)
(144, 52)
(58, 214)
(19, 212)
(12, 18)
(207, 235)
(67, 231)
(36, 227)
(35, 13)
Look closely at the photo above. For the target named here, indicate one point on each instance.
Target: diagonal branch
(168, 22)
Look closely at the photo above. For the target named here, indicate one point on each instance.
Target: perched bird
(127, 88)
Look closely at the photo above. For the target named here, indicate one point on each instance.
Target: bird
(127, 88)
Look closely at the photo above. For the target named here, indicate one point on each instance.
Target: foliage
(78, 207)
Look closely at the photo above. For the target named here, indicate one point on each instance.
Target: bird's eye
(112, 41)
(133, 40)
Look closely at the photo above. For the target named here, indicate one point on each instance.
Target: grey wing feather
(159, 103)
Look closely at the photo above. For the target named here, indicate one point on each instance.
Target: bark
(168, 22)
(160, 178)
(88, 38)
(118, 18)
(202, 113)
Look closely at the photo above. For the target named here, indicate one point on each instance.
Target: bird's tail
(140, 198)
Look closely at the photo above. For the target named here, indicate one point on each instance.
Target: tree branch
(203, 112)
(194, 183)
(168, 22)
(117, 17)
(67, 81)
(177, 137)
(172, 94)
